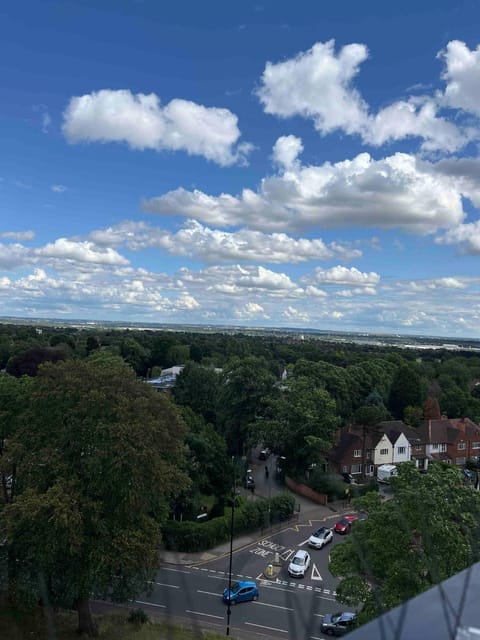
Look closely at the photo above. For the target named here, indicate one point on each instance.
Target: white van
(385, 472)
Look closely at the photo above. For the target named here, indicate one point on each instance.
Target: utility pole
(232, 519)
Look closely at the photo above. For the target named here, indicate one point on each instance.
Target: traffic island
(271, 571)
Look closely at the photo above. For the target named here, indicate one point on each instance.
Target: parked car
(338, 624)
(242, 591)
(299, 564)
(344, 525)
(264, 454)
(249, 482)
(320, 538)
(348, 478)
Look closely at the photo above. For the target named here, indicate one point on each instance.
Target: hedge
(200, 536)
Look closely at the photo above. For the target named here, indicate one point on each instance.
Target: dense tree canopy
(426, 533)
(97, 454)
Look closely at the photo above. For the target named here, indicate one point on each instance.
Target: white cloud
(318, 85)
(465, 236)
(143, 123)
(18, 235)
(399, 191)
(214, 245)
(343, 276)
(81, 251)
(462, 76)
(292, 314)
(286, 151)
(58, 188)
(249, 311)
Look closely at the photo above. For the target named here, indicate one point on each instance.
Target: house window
(475, 445)
(435, 446)
(461, 446)
(357, 453)
(356, 468)
(443, 448)
(460, 461)
(384, 452)
(369, 454)
(345, 468)
(418, 447)
(401, 450)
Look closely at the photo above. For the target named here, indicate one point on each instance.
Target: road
(288, 608)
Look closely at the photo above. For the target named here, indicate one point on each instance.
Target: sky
(268, 164)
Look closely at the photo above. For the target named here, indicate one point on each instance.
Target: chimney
(461, 425)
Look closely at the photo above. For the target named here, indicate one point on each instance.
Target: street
(289, 608)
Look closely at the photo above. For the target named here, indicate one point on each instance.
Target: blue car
(242, 591)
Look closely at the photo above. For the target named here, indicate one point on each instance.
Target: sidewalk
(306, 509)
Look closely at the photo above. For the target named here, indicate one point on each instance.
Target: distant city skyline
(309, 165)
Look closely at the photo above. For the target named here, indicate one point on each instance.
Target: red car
(344, 525)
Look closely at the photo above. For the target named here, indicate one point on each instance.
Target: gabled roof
(448, 430)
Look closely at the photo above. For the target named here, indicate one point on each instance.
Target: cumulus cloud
(249, 311)
(466, 237)
(143, 123)
(462, 77)
(286, 151)
(343, 276)
(399, 191)
(214, 245)
(318, 84)
(81, 251)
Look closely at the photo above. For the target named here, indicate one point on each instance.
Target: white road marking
(286, 554)
(276, 606)
(319, 615)
(151, 604)
(271, 586)
(304, 542)
(262, 626)
(200, 613)
(177, 570)
(329, 599)
(209, 593)
(162, 584)
(217, 577)
(315, 573)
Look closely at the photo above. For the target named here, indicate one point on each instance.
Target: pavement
(305, 509)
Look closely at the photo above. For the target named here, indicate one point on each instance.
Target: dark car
(344, 525)
(348, 478)
(264, 454)
(242, 591)
(249, 482)
(338, 624)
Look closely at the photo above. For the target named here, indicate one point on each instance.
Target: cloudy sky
(271, 163)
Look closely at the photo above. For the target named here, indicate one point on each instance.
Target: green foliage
(427, 532)
(97, 454)
(138, 617)
(198, 387)
(406, 390)
(249, 516)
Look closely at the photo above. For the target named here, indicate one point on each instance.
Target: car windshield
(336, 617)
(320, 533)
(298, 560)
(235, 587)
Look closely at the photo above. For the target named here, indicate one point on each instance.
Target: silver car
(320, 538)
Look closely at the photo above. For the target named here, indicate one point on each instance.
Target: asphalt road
(288, 608)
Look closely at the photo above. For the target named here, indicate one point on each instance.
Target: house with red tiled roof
(453, 441)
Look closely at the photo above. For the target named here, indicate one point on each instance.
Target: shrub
(138, 616)
(249, 516)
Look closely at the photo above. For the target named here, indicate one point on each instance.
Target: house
(391, 442)
(167, 379)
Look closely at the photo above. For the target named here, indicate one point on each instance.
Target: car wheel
(329, 632)
(233, 603)
(255, 598)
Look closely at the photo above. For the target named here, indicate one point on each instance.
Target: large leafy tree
(406, 390)
(96, 458)
(301, 423)
(246, 384)
(197, 387)
(427, 532)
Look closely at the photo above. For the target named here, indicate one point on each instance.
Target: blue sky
(307, 164)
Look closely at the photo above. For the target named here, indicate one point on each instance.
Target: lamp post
(232, 519)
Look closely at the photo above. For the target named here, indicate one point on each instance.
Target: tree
(427, 532)
(368, 417)
(301, 423)
(406, 391)
(96, 454)
(27, 362)
(246, 384)
(197, 387)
